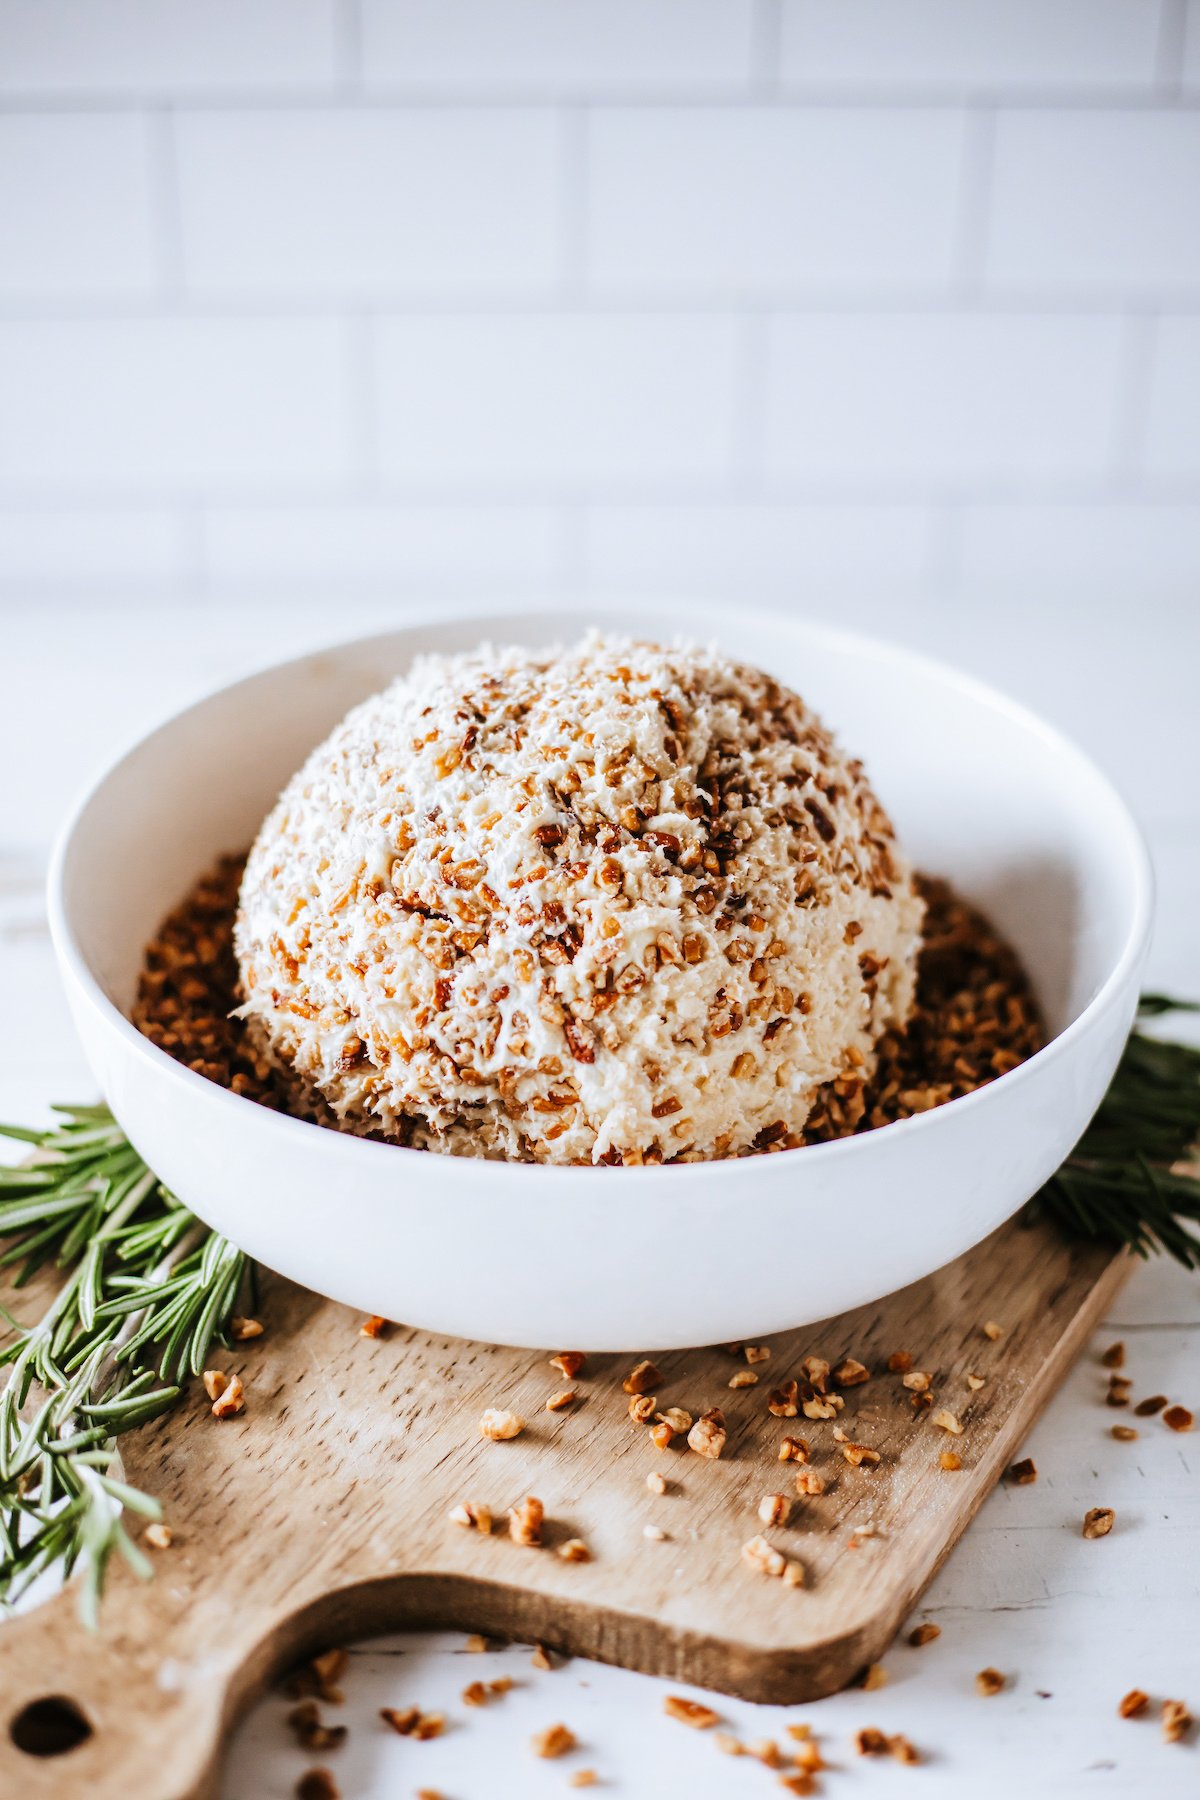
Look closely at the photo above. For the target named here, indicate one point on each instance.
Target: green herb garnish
(148, 1288)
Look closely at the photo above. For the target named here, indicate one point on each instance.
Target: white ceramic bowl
(625, 1259)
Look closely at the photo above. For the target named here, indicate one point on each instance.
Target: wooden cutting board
(320, 1514)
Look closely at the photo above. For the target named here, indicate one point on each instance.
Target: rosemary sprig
(148, 1289)
(1122, 1183)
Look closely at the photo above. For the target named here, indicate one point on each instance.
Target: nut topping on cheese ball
(617, 903)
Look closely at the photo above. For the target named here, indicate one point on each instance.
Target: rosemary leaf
(141, 1274)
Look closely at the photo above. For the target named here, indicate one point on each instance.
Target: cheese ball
(614, 903)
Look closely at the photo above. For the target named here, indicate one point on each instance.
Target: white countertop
(1073, 1624)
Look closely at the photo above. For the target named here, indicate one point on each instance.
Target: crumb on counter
(555, 1740)
(690, 1712)
(500, 1425)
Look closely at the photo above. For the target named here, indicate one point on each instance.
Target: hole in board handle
(49, 1727)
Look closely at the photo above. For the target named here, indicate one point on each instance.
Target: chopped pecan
(707, 1436)
(690, 1712)
(317, 1784)
(472, 1517)
(677, 1417)
(1176, 1721)
(500, 1425)
(793, 1449)
(556, 1740)
(525, 1522)
(783, 1401)
(230, 1398)
(763, 1557)
(305, 1721)
(641, 1378)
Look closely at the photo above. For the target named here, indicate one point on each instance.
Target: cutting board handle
(97, 1714)
(142, 1708)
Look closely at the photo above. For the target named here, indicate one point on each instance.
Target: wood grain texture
(321, 1512)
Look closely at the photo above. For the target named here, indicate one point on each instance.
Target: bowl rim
(1132, 855)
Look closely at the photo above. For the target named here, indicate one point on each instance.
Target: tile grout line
(571, 546)
(193, 531)
(1008, 489)
(1170, 48)
(933, 298)
(348, 48)
(743, 96)
(166, 211)
(749, 424)
(364, 422)
(1131, 401)
(573, 206)
(766, 42)
(944, 547)
(972, 224)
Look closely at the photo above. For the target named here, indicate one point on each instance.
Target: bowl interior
(980, 792)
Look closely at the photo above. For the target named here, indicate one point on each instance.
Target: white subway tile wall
(76, 207)
(769, 199)
(988, 46)
(558, 401)
(583, 47)
(324, 547)
(1172, 447)
(1103, 201)
(360, 203)
(950, 400)
(1191, 45)
(150, 49)
(478, 297)
(173, 406)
